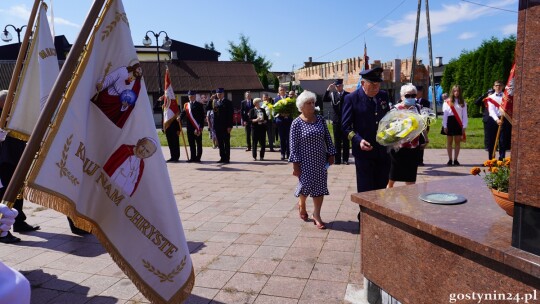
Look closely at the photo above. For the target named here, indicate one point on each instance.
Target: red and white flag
(507, 105)
(101, 164)
(170, 106)
(37, 78)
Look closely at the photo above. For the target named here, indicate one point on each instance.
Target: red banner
(508, 97)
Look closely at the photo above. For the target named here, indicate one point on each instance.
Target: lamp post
(6, 36)
(166, 44)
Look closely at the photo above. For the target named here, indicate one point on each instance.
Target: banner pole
(18, 65)
(497, 139)
(51, 105)
(184, 140)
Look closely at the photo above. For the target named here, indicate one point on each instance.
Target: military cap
(373, 75)
(220, 90)
(338, 82)
(191, 93)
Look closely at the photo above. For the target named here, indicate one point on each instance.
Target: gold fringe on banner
(18, 135)
(65, 206)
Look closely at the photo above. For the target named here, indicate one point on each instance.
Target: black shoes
(345, 162)
(9, 239)
(172, 160)
(248, 149)
(456, 163)
(79, 231)
(24, 227)
(449, 163)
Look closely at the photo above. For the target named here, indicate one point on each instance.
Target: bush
(473, 111)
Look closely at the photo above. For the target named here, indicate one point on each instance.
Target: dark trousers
(491, 133)
(6, 173)
(173, 140)
(342, 144)
(224, 143)
(372, 173)
(195, 145)
(270, 128)
(259, 137)
(284, 128)
(247, 129)
(505, 138)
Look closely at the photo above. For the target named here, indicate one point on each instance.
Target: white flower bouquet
(398, 127)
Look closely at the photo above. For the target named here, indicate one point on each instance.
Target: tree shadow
(48, 288)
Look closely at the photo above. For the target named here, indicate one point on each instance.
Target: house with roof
(190, 67)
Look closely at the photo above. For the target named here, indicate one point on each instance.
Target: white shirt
(494, 112)
(462, 112)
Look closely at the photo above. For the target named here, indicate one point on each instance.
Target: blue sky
(288, 32)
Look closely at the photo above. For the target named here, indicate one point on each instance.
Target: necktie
(499, 94)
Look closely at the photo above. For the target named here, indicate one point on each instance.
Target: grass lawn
(475, 136)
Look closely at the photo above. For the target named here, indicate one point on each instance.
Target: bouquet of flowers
(269, 109)
(286, 107)
(398, 127)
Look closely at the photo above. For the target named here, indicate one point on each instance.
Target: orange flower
(487, 163)
(494, 169)
(493, 162)
(475, 171)
(499, 163)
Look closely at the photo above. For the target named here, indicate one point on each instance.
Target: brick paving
(246, 239)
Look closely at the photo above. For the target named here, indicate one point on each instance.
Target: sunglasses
(410, 95)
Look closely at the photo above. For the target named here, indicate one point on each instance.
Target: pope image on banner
(105, 169)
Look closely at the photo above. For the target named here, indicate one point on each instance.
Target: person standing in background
(194, 115)
(335, 95)
(246, 106)
(454, 123)
(223, 123)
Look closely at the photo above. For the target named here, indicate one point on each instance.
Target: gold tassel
(63, 205)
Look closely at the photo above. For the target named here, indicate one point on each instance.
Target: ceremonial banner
(507, 104)
(170, 106)
(37, 78)
(101, 164)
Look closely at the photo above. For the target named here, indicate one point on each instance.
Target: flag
(170, 106)
(37, 78)
(507, 104)
(365, 66)
(102, 165)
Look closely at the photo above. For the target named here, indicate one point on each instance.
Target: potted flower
(497, 178)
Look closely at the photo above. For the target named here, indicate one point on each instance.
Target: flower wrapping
(286, 107)
(269, 109)
(398, 127)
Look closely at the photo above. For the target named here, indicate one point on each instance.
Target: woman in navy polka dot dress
(312, 151)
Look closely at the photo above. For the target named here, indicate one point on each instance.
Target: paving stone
(284, 287)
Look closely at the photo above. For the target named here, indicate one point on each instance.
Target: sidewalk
(246, 239)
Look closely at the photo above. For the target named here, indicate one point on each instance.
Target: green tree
(264, 81)
(210, 46)
(276, 82)
(243, 51)
(476, 70)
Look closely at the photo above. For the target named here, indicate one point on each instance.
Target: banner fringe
(64, 206)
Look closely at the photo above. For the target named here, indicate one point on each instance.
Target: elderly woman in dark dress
(312, 151)
(403, 167)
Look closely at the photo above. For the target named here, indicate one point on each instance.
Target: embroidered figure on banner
(126, 165)
(118, 91)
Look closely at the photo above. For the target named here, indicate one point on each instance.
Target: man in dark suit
(223, 123)
(362, 111)
(194, 115)
(336, 95)
(246, 106)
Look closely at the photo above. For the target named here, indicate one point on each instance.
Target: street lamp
(6, 36)
(166, 45)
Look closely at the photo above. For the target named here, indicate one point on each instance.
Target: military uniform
(223, 120)
(360, 120)
(341, 140)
